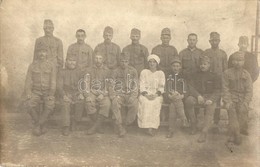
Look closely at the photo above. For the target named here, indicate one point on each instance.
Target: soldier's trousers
(125, 109)
(101, 106)
(238, 117)
(40, 116)
(176, 108)
(190, 103)
(71, 111)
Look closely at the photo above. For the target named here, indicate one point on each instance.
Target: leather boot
(74, 125)
(96, 125)
(65, 131)
(36, 130)
(237, 139)
(43, 128)
(169, 135)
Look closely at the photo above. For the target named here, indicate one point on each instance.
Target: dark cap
(135, 31)
(214, 35)
(48, 22)
(243, 40)
(176, 60)
(166, 31)
(204, 59)
(108, 29)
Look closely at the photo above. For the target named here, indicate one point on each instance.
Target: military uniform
(83, 54)
(68, 87)
(54, 48)
(207, 85)
(109, 50)
(190, 60)
(40, 86)
(237, 92)
(138, 54)
(126, 92)
(165, 52)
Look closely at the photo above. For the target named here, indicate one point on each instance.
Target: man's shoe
(244, 132)
(202, 138)
(193, 131)
(122, 131)
(169, 135)
(36, 130)
(150, 132)
(65, 131)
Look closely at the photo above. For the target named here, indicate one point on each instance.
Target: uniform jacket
(138, 56)
(41, 77)
(111, 53)
(166, 54)
(237, 86)
(218, 60)
(83, 53)
(190, 60)
(126, 81)
(206, 84)
(54, 47)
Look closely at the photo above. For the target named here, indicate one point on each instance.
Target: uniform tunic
(54, 47)
(166, 54)
(83, 54)
(138, 56)
(110, 52)
(149, 110)
(190, 60)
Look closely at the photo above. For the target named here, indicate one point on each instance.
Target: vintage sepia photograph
(129, 83)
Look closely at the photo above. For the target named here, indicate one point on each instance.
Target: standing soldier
(82, 51)
(237, 93)
(251, 62)
(97, 98)
(190, 56)
(40, 87)
(218, 64)
(109, 50)
(138, 52)
(72, 98)
(125, 80)
(165, 51)
(53, 44)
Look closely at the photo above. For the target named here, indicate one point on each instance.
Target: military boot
(202, 138)
(65, 131)
(96, 125)
(43, 128)
(36, 130)
(237, 139)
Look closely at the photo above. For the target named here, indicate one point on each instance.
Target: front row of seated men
(98, 91)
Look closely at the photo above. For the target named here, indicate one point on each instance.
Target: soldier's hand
(200, 100)
(180, 96)
(80, 97)
(208, 102)
(100, 97)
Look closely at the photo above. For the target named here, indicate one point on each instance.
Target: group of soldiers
(105, 80)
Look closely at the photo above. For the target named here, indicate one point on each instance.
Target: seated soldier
(205, 94)
(68, 90)
(125, 80)
(97, 99)
(40, 87)
(176, 88)
(237, 92)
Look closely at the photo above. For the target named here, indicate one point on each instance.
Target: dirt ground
(20, 147)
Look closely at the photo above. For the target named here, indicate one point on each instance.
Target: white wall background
(22, 21)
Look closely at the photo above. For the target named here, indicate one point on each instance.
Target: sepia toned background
(21, 22)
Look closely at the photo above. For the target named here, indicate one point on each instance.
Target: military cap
(214, 35)
(243, 40)
(41, 47)
(47, 22)
(204, 59)
(125, 56)
(135, 31)
(71, 57)
(176, 60)
(166, 31)
(239, 56)
(108, 29)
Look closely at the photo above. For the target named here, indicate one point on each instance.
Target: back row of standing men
(138, 53)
